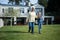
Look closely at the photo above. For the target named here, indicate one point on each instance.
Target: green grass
(49, 32)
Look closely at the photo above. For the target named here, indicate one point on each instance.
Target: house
(21, 14)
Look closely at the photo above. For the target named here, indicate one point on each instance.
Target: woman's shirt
(32, 16)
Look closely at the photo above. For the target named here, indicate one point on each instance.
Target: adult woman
(31, 19)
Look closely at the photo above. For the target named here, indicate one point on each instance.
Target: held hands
(36, 16)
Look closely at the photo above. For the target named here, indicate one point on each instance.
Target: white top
(31, 16)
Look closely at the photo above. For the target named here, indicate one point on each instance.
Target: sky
(3, 1)
(6, 1)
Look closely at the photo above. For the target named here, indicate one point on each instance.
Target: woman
(31, 19)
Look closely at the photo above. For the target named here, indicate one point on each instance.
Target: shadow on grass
(12, 32)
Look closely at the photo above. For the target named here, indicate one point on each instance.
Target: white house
(21, 13)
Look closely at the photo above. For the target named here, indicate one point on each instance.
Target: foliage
(53, 7)
(16, 2)
(43, 2)
(11, 13)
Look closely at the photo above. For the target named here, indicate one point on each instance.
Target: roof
(13, 5)
(38, 6)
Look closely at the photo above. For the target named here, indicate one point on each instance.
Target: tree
(11, 1)
(16, 2)
(43, 2)
(54, 7)
(10, 12)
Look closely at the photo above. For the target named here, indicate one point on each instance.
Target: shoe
(28, 30)
(32, 32)
(39, 32)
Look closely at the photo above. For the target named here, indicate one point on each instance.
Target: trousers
(31, 27)
(40, 23)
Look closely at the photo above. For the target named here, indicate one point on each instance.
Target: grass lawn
(49, 32)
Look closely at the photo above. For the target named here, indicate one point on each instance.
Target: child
(40, 21)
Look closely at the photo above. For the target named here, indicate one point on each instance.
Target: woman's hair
(32, 8)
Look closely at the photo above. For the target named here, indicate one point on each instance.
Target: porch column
(15, 20)
(1, 23)
(43, 13)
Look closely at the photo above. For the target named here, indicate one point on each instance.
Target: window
(38, 10)
(10, 10)
(21, 10)
(3, 10)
